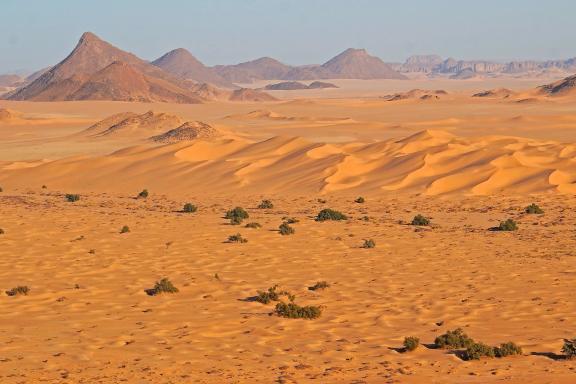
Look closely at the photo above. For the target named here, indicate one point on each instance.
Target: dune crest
(428, 162)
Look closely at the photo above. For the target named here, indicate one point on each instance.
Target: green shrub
(420, 220)
(265, 204)
(253, 225)
(295, 311)
(411, 343)
(453, 340)
(236, 215)
(569, 348)
(319, 285)
(237, 238)
(478, 350)
(360, 200)
(19, 290)
(272, 294)
(534, 209)
(285, 229)
(72, 197)
(143, 194)
(189, 208)
(507, 349)
(125, 229)
(508, 225)
(162, 286)
(369, 244)
(330, 214)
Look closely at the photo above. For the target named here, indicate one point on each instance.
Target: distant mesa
(250, 95)
(350, 64)
(414, 94)
(465, 74)
(564, 87)
(295, 85)
(183, 65)
(190, 130)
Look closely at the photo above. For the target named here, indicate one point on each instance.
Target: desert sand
(465, 162)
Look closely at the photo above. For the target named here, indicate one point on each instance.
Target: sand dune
(431, 162)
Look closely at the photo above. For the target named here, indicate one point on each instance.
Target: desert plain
(465, 162)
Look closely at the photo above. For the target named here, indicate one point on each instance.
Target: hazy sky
(37, 33)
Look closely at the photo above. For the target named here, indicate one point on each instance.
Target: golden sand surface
(467, 163)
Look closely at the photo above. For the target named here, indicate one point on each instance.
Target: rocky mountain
(183, 65)
(96, 70)
(358, 64)
(10, 80)
(247, 72)
(564, 87)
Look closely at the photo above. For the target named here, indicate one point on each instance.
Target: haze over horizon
(228, 32)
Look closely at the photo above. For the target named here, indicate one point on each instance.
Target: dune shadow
(550, 355)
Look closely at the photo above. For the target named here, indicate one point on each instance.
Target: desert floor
(87, 318)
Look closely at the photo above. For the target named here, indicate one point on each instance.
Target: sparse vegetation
(265, 204)
(477, 350)
(125, 229)
(569, 348)
(508, 225)
(272, 294)
(420, 220)
(1, 231)
(71, 197)
(369, 244)
(162, 286)
(189, 208)
(1, 190)
(453, 340)
(290, 220)
(236, 215)
(253, 225)
(237, 238)
(285, 229)
(411, 343)
(143, 194)
(507, 349)
(330, 214)
(19, 290)
(319, 286)
(295, 311)
(360, 200)
(533, 209)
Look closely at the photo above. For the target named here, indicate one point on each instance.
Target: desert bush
(411, 343)
(1, 190)
(507, 349)
(272, 294)
(143, 194)
(189, 208)
(265, 204)
(253, 225)
(319, 285)
(534, 209)
(330, 214)
(44, 187)
(295, 311)
(285, 229)
(237, 238)
(19, 290)
(236, 215)
(360, 200)
(420, 220)
(71, 197)
(125, 229)
(369, 244)
(569, 348)
(1, 231)
(453, 340)
(508, 225)
(477, 350)
(162, 286)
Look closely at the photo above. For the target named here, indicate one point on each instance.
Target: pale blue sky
(37, 33)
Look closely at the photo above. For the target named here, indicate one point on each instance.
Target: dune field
(466, 163)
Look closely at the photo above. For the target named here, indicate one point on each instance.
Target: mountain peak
(88, 37)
